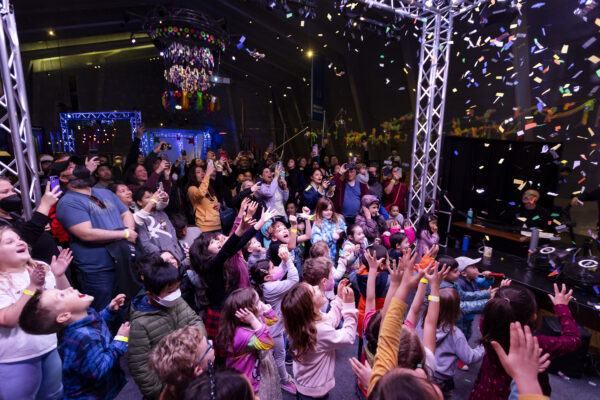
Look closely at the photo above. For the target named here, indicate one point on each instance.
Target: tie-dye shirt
(325, 233)
(247, 344)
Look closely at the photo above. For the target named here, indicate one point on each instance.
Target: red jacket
(340, 188)
(58, 231)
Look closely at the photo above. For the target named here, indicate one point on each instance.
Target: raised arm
(435, 277)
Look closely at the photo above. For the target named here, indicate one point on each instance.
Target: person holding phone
(348, 192)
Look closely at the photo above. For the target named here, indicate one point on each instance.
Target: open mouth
(22, 250)
(81, 295)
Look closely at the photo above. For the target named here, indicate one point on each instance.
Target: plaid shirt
(91, 358)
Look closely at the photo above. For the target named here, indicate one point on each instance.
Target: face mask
(174, 177)
(12, 203)
(330, 286)
(278, 273)
(170, 300)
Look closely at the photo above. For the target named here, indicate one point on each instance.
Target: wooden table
(512, 236)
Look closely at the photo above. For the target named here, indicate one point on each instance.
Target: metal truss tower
(436, 17)
(14, 113)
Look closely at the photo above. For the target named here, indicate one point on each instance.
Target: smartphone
(222, 154)
(279, 165)
(210, 162)
(160, 186)
(54, 182)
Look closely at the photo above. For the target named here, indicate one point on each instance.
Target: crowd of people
(211, 275)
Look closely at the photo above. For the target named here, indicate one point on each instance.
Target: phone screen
(54, 182)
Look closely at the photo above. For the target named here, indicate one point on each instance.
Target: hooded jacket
(374, 227)
(450, 346)
(148, 326)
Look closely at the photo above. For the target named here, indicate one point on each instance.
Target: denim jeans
(466, 326)
(37, 378)
(99, 284)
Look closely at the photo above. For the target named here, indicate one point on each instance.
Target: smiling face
(328, 213)
(358, 235)
(267, 175)
(140, 173)
(374, 209)
(317, 177)
(65, 301)
(124, 194)
(14, 252)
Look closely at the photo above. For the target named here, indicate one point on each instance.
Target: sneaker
(288, 359)
(462, 366)
(289, 386)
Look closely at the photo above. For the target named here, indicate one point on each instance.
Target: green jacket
(148, 326)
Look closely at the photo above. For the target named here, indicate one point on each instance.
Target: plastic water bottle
(465, 243)
(470, 216)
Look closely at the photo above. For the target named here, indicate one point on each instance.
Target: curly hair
(239, 298)
(176, 356)
(299, 317)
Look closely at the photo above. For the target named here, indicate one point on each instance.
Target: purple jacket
(425, 241)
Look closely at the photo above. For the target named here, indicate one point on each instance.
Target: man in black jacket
(33, 232)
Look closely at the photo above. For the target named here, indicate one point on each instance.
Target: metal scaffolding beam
(14, 113)
(436, 17)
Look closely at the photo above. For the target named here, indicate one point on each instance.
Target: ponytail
(258, 272)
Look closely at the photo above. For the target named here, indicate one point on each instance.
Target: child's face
(319, 298)
(404, 245)
(281, 234)
(215, 244)
(362, 170)
(291, 209)
(374, 209)
(433, 226)
(471, 272)
(65, 301)
(328, 213)
(358, 235)
(394, 211)
(254, 247)
(453, 275)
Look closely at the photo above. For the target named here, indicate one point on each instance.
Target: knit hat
(464, 262)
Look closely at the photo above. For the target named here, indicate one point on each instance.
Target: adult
(317, 188)
(295, 179)
(30, 366)
(103, 175)
(348, 192)
(395, 191)
(395, 157)
(375, 187)
(98, 223)
(593, 195)
(123, 193)
(33, 232)
(137, 175)
(529, 214)
(273, 191)
(203, 198)
(45, 164)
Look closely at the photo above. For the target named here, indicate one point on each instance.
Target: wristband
(126, 233)
(435, 299)
(154, 201)
(29, 292)
(122, 338)
(423, 280)
(294, 230)
(393, 181)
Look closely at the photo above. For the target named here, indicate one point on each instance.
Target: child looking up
(90, 354)
(243, 332)
(314, 337)
(267, 277)
(369, 218)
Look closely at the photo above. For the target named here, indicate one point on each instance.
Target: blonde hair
(6, 282)
(177, 355)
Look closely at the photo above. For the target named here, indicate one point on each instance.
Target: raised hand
(284, 253)
(124, 330)
(92, 163)
(561, 297)
(139, 132)
(372, 260)
(505, 282)
(247, 317)
(433, 251)
(37, 276)
(158, 147)
(436, 275)
(293, 221)
(396, 273)
(210, 168)
(267, 215)
(344, 292)
(410, 280)
(117, 302)
(49, 199)
(366, 212)
(255, 188)
(362, 371)
(252, 207)
(59, 264)
(343, 169)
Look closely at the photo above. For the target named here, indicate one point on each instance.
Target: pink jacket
(410, 235)
(314, 372)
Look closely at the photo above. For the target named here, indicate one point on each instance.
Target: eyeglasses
(210, 346)
(98, 202)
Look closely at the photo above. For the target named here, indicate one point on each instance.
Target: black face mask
(12, 203)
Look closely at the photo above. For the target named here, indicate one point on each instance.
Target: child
(327, 226)
(319, 272)
(427, 233)
(362, 175)
(224, 384)
(352, 245)
(516, 304)
(469, 281)
(256, 251)
(319, 249)
(153, 315)
(359, 283)
(156, 233)
(243, 332)
(210, 255)
(395, 214)
(400, 241)
(90, 355)
(280, 235)
(179, 358)
(314, 337)
(369, 218)
(451, 342)
(267, 277)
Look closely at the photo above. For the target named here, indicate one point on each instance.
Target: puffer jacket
(207, 217)
(470, 302)
(374, 227)
(148, 326)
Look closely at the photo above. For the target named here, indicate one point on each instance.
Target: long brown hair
(193, 181)
(449, 309)
(299, 317)
(239, 298)
(322, 205)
